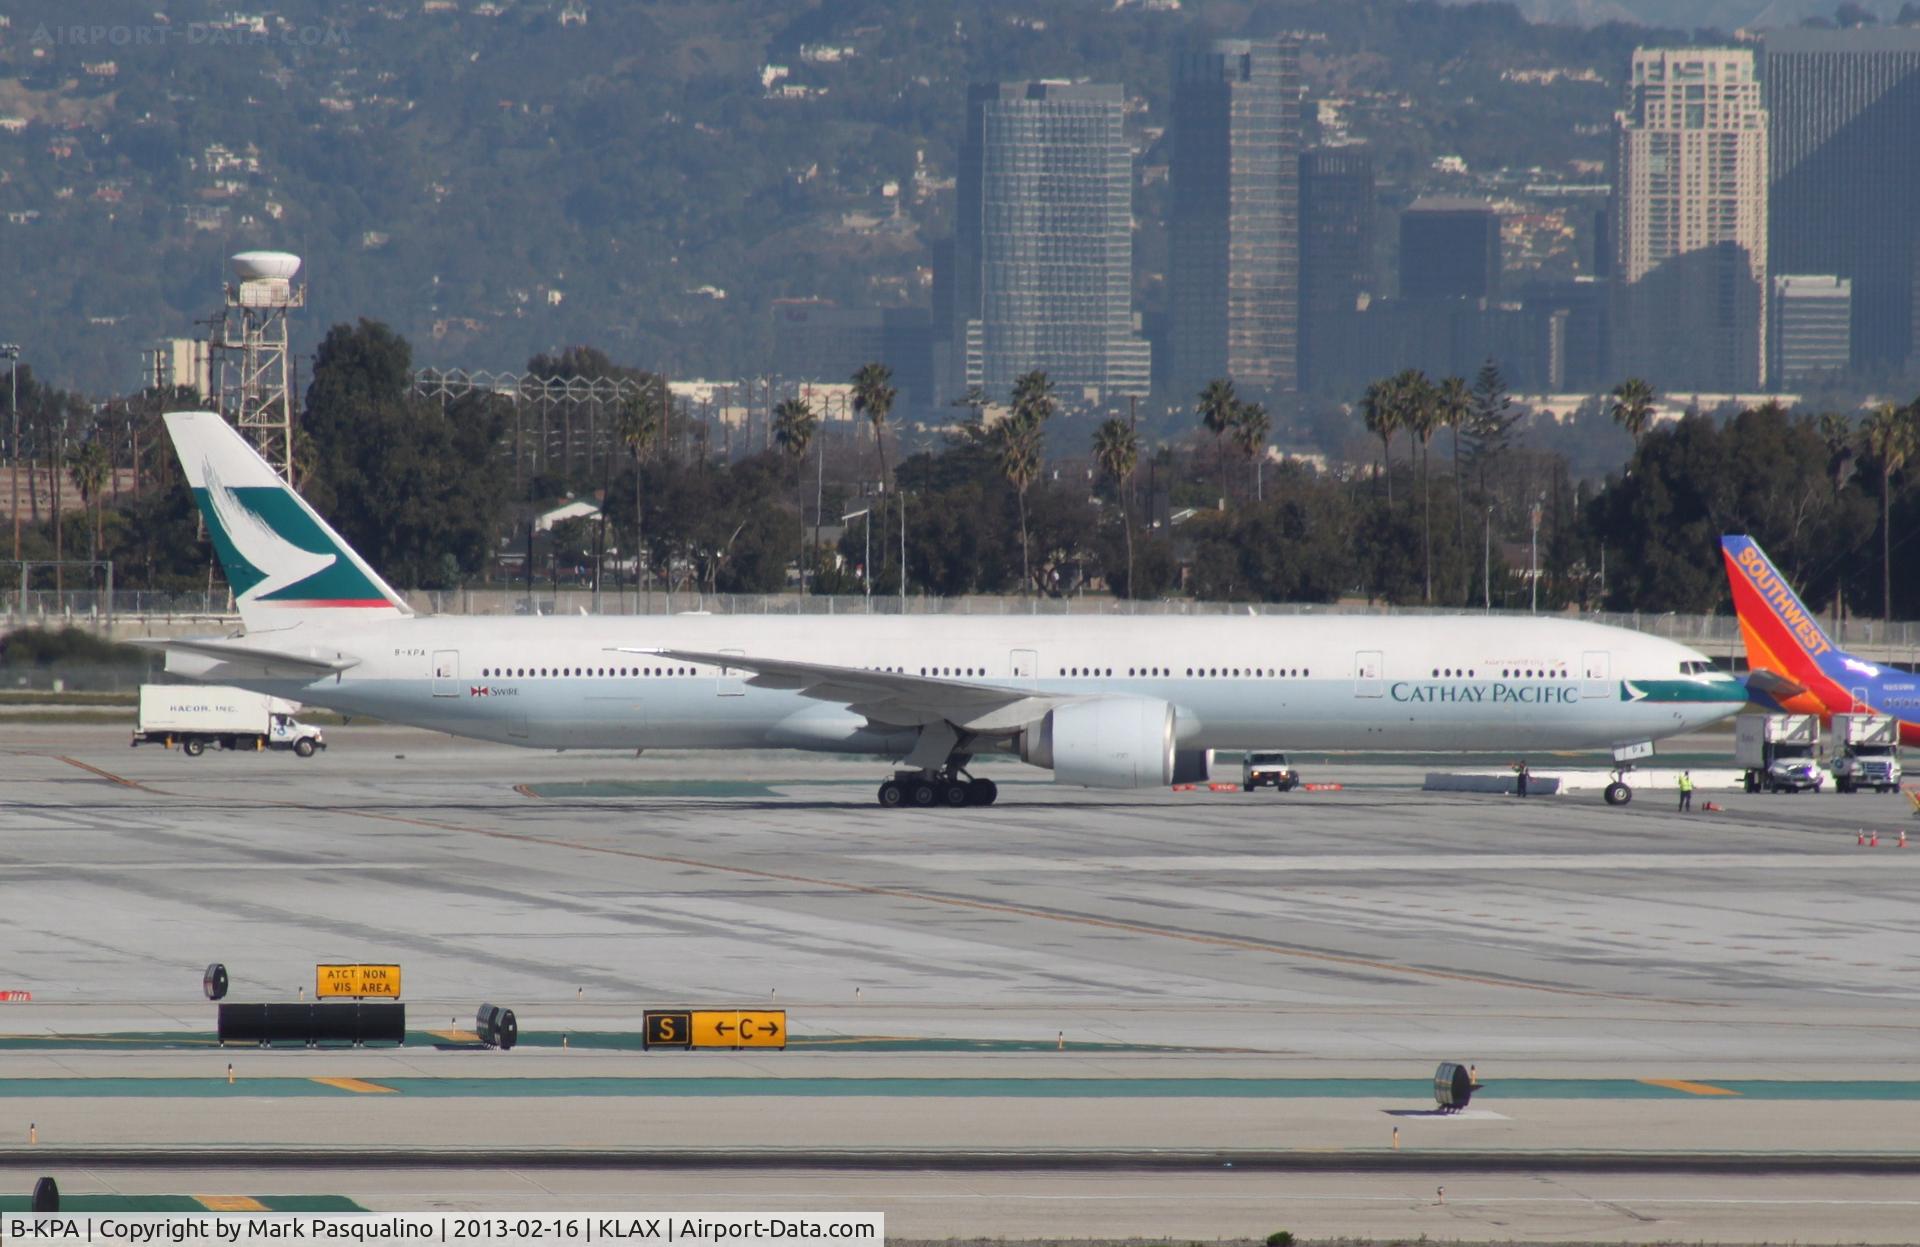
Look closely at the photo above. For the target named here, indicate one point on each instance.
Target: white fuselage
(1338, 682)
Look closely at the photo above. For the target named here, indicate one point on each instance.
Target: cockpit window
(1696, 667)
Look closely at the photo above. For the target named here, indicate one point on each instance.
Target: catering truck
(1869, 754)
(195, 716)
(1779, 752)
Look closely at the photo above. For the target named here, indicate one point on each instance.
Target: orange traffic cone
(1873, 841)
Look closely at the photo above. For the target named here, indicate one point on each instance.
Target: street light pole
(1486, 573)
(903, 550)
(11, 352)
(1534, 558)
(866, 567)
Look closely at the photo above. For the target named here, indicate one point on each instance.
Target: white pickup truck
(194, 716)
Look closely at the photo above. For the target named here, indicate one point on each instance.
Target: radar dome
(266, 265)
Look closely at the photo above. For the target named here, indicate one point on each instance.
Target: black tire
(1618, 793)
(1246, 788)
(956, 795)
(892, 795)
(922, 794)
(982, 791)
(1286, 785)
(193, 747)
(303, 748)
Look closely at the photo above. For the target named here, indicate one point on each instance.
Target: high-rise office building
(1336, 248)
(1844, 113)
(1812, 322)
(815, 340)
(1689, 230)
(1234, 183)
(1043, 242)
(1449, 249)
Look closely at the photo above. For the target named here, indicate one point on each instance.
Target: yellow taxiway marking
(456, 1036)
(231, 1203)
(1691, 1088)
(357, 1085)
(109, 776)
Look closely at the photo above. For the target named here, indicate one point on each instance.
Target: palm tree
(638, 423)
(1251, 424)
(1420, 416)
(1633, 407)
(91, 471)
(873, 396)
(1018, 449)
(1033, 394)
(1380, 410)
(1116, 448)
(794, 425)
(1890, 440)
(1453, 403)
(1217, 404)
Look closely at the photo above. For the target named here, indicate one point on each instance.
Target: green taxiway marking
(1418, 1090)
(180, 1203)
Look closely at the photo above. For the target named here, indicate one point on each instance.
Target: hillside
(496, 177)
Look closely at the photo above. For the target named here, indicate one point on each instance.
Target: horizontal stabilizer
(1773, 684)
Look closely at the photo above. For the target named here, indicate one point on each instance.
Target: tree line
(1455, 508)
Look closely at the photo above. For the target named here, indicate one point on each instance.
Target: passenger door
(1597, 673)
(446, 673)
(1369, 674)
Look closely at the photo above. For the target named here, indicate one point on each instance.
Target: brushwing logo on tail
(277, 562)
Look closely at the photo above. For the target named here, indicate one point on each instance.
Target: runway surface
(1062, 973)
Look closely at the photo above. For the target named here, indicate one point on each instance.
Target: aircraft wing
(889, 697)
(268, 663)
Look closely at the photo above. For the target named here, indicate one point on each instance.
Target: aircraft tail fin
(1786, 646)
(284, 562)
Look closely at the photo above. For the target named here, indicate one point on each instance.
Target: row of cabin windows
(1506, 673)
(502, 673)
(1254, 673)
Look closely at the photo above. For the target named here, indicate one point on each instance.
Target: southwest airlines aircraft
(1794, 664)
(1104, 702)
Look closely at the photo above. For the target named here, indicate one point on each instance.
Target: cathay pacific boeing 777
(1111, 701)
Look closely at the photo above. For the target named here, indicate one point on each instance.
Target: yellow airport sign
(763, 1028)
(357, 980)
(669, 1028)
(716, 1028)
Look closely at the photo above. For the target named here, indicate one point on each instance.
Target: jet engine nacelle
(1108, 742)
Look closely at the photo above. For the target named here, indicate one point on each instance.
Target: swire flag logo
(480, 690)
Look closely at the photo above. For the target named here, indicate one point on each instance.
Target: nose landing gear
(949, 786)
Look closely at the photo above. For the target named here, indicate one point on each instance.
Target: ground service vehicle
(1869, 754)
(1258, 770)
(1779, 752)
(194, 716)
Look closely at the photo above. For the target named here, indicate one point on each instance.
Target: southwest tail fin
(285, 563)
(1793, 659)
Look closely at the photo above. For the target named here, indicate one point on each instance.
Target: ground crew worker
(1686, 791)
(1521, 776)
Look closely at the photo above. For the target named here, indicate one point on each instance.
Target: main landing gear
(1617, 792)
(949, 786)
